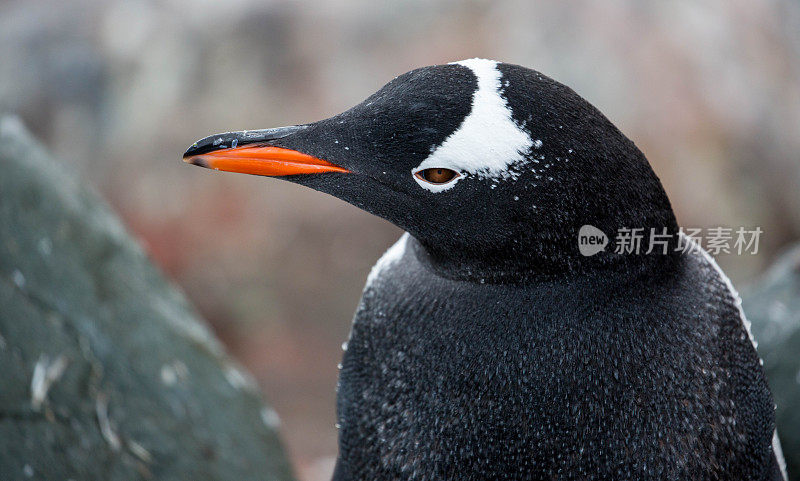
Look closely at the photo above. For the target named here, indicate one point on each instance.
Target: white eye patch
(488, 142)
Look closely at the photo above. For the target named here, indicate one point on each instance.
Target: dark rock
(106, 372)
(772, 304)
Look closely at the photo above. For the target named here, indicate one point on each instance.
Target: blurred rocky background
(709, 90)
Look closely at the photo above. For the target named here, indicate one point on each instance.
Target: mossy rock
(107, 373)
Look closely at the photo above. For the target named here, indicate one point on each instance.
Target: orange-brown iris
(436, 175)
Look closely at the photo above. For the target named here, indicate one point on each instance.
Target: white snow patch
(168, 375)
(173, 372)
(140, 451)
(45, 246)
(389, 258)
(18, 278)
(488, 141)
(106, 429)
(239, 379)
(270, 418)
(45, 374)
(12, 126)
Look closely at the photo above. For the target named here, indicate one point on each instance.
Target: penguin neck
(536, 255)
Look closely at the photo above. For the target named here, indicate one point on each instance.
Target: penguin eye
(436, 175)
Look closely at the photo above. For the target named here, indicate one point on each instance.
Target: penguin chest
(439, 388)
(448, 380)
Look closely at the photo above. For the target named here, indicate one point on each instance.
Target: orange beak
(262, 160)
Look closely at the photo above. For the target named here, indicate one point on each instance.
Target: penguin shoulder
(388, 261)
(716, 276)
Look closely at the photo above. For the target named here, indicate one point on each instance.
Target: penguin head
(493, 168)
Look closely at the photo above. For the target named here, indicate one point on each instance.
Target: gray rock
(772, 304)
(106, 372)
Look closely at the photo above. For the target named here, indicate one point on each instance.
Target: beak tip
(191, 151)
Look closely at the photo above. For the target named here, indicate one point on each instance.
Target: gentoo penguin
(486, 346)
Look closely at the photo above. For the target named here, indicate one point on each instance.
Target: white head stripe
(488, 141)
